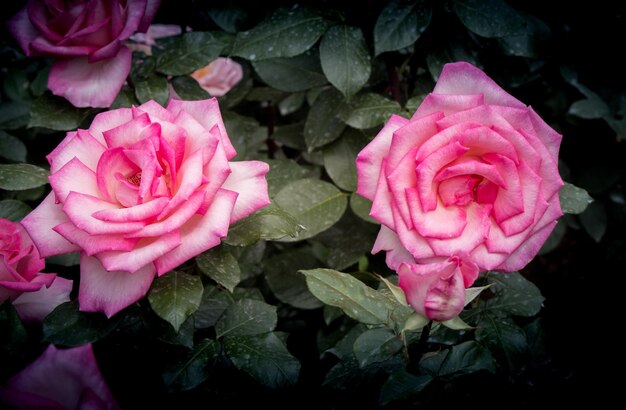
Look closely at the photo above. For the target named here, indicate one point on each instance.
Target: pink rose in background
(437, 290)
(59, 379)
(219, 76)
(85, 37)
(145, 41)
(140, 192)
(473, 172)
(34, 294)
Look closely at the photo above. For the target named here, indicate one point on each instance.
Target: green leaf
(270, 222)
(395, 290)
(513, 294)
(347, 241)
(12, 148)
(245, 133)
(14, 114)
(13, 335)
(291, 74)
(361, 208)
(590, 108)
(282, 172)
(401, 385)
(188, 88)
(291, 104)
(66, 259)
(400, 24)
(195, 369)
(574, 200)
(356, 299)
(316, 205)
(13, 210)
(290, 135)
(56, 113)
(413, 103)
(229, 18)
(456, 323)
(473, 293)
(153, 87)
(221, 266)
(323, 124)
(503, 336)
(340, 157)
(246, 317)
(15, 85)
(555, 237)
(213, 303)
(18, 177)
(184, 54)
(40, 83)
(490, 18)
(375, 346)
(264, 357)
(286, 33)
(595, 220)
(415, 322)
(284, 280)
(467, 357)
(368, 110)
(175, 296)
(67, 326)
(345, 59)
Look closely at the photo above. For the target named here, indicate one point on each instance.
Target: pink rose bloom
(34, 294)
(86, 39)
(141, 191)
(219, 76)
(145, 41)
(473, 173)
(437, 290)
(59, 379)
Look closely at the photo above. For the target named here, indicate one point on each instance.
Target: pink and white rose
(219, 76)
(141, 191)
(34, 294)
(59, 379)
(473, 173)
(86, 39)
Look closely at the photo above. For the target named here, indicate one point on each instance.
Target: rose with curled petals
(59, 379)
(473, 173)
(85, 38)
(141, 191)
(33, 293)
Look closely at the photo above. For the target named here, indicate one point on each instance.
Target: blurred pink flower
(145, 41)
(219, 76)
(141, 191)
(86, 39)
(60, 379)
(34, 294)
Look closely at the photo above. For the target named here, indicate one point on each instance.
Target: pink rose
(85, 37)
(437, 290)
(59, 379)
(473, 172)
(34, 294)
(141, 191)
(219, 76)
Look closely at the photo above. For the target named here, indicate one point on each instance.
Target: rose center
(134, 179)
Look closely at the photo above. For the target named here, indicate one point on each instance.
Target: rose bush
(34, 294)
(85, 38)
(140, 192)
(218, 77)
(59, 379)
(473, 173)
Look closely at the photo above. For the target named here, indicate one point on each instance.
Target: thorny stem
(394, 82)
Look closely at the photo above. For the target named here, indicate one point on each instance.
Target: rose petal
(248, 180)
(464, 78)
(410, 136)
(546, 134)
(146, 251)
(441, 223)
(127, 133)
(92, 244)
(475, 233)
(79, 208)
(410, 239)
(388, 241)
(381, 211)
(81, 145)
(108, 120)
(57, 379)
(201, 232)
(39, 224)
(141, 212)
(74, 176)
(87, 84)
(22, 30)
(447, 104)
(35, 306)
(110, 292)
(369, 160)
